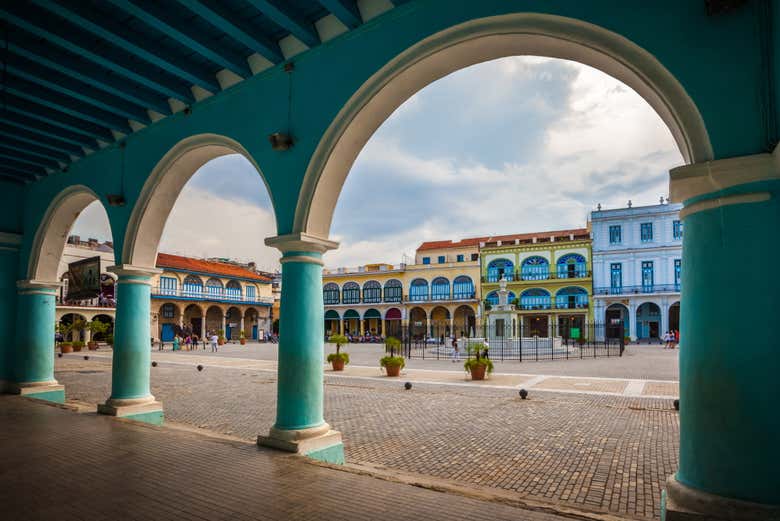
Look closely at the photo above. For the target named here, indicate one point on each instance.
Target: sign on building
(84, 279)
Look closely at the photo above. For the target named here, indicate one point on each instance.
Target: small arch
(331, 294)
(418, 290)
(162, 188)
(332, 314)
(493, 299)
(372, 292)
(49, 241)
(350, 293)
(535, 267)
(463, 288)
(498, 268)
(192, 286)
(571, 297)
(393, 291)
(535, 298)
(440, 289)
(214, 287)
(233, 290)
(572, 266)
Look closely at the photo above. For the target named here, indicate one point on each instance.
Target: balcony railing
(558, 304)
(440, 297)
(537, 276)
(159, 292)
(637, 290)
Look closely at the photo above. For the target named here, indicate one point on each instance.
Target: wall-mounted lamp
(280, 141)
(116, 200)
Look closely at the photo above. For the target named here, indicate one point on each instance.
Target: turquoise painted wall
(328, 75)
(9, 260)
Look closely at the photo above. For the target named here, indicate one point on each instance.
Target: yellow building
(549, 278)
(437, 295)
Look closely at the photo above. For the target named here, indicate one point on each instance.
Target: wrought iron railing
(537, 276)
(159, 292)
(440, 297)
(637, 290)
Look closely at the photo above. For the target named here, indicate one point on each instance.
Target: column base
(683, 503)
(146, 410)
(50, 391)
(319, 443)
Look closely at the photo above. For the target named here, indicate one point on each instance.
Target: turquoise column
(729, 357)
(33, 355)
(300, 426)
(131, 395)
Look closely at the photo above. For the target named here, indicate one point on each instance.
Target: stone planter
(66, 347)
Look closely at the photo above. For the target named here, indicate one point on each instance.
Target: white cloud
(203, 224)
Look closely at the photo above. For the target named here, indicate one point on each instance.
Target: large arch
(52, 233)
(477, 41)
(162, 189)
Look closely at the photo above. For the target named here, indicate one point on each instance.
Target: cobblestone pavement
(56, 465)
(595, 452)
(647, 362)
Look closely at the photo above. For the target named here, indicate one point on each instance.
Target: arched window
(233, 290)
(372, 292)
(463, 288)
(350, 293)
(571, 298)
(535, 268)
(492, 298)
(418, 291)
(393, 290)
(499, 268)
(330, 293)
(440, 289)
(214, 287)
(193, 286)
(535, 298)
(572, 266)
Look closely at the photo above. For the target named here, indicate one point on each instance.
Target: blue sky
(513, 145)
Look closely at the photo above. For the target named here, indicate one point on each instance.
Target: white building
(637, 256)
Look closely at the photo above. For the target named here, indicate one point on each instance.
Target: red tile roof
(475, 241)
(166, 260)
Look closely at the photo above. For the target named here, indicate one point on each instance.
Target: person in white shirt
(214, 342)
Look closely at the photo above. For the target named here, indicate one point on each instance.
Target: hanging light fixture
(284, 140)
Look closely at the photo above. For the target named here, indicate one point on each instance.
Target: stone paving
(56, 465)
(595, 451)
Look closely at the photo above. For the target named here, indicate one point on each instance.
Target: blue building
(637, 267)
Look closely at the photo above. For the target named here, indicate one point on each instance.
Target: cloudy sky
(513, 145)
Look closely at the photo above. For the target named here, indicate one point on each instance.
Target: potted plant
(96, 327)
(77, 345)
(221, 337)
(66, 346)
(76, 327)
(338, 359)
(392, 363)
(242, 338)
(480, 364)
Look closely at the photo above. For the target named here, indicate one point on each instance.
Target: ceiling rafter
(345, 10)
(41, 141)
(18, 121)
(58, 119)
(217, 16)
(118, 36)
(283, 16)
(148, 78)
(156, 17)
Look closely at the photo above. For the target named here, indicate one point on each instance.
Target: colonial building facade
(548, 276)
(637, 267)
(436, 295)
(189, 295)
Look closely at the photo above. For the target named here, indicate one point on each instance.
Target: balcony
(637, 290)
(440, 298)
(537, 276)
(178, 294)
(558, 304)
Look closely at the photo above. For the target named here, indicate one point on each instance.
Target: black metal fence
(520, 342)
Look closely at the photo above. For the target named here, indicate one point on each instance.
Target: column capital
(699, 179)
(31, 286)
(128, 270)
(301, 242)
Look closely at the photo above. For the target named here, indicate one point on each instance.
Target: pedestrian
(455, 352)
(214, 342)
(676, 334)
(188, 342)
(176, 342)
(667, 340)
(485, 347)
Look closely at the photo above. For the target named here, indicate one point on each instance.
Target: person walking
(188, 342)
(214, 342)
(176, 342)
(455, 351)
